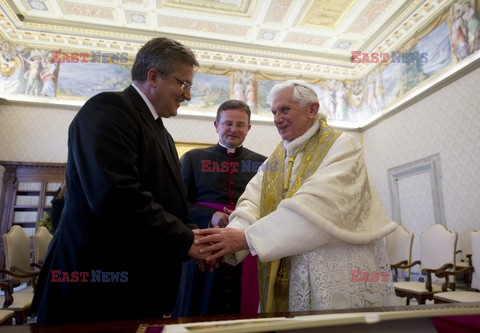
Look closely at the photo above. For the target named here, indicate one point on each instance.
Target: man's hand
(219, 219)
(220, 242)
(200, 256)
(195, 253)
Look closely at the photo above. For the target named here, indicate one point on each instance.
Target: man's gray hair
(163, 54)
(303, 93)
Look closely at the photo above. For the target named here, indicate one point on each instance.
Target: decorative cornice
(212, 52)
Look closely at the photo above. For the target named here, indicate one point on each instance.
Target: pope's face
(292, 118)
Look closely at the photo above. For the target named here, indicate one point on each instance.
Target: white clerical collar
(293, 146)
(147, 101)
(229, 150)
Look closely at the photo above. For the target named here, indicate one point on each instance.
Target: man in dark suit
(124, 230)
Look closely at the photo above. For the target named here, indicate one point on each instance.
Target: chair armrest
(394, 267)
(20, 273)
(398, 264)
(417, 262)
(469, 257)
(464, 270)
(429, 272)
(438, 270)
(7, 285)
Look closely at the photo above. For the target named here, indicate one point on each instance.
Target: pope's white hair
(303, 93)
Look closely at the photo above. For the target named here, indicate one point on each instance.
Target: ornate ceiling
(310, 38)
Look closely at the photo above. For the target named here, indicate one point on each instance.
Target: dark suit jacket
(125, 212)
(57, 208)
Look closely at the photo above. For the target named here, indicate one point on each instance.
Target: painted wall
(446, 123)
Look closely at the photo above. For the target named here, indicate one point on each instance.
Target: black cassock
(211, 175)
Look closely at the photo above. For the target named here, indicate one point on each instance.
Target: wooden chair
(13, 306)
(464, 296)
(6, 317)
(18, 267)
(399, 249)
(41, 240)
(437, 253)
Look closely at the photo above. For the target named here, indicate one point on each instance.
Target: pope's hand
(220, 242)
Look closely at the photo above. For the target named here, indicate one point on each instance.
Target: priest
(214, 178)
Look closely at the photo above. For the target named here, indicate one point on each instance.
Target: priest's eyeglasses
(185, 86)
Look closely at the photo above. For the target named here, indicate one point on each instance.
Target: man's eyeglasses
(185, 86)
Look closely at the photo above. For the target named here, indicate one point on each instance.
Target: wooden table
(391, 319)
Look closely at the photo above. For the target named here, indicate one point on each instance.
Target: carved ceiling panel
(310, 38)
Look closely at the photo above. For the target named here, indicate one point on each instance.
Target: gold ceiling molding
(243, 8)
(413, 16)
(291, 42)
(326, 13)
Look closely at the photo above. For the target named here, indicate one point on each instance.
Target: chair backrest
(41, 240)
(437, 247)
(17, 250)
(466, 243)
(475, 237)
(399, 245)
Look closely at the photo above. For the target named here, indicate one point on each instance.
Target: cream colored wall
(446, 123)
(30, 133)
(33, 134)
(262, 137)
(39, 134)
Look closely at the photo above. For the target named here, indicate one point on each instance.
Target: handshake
(211, 245)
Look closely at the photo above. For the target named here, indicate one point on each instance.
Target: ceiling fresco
(311, 38)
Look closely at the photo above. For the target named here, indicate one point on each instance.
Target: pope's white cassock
(316, 223)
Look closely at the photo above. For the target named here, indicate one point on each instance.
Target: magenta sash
(250, 294)
(217, 206)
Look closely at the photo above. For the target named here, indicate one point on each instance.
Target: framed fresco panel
(84, 80)
(208, 92)
(399, 77)
(27, 72)
(263, 88)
